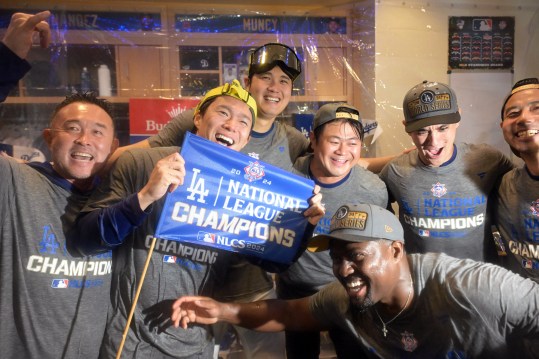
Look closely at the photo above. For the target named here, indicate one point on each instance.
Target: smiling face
(336, 151)
(435, 143)
(272, 91)
(226, 121)
(520, 125)
(80, 139)
(367, 270)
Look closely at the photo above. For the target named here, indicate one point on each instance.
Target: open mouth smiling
(224, 140)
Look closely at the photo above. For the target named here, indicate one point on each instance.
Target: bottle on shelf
(103, 77)
(85, 80)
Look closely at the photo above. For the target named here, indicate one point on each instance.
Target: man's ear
(196, 120)
(312, 138)
(115, 145)
(47, 136)
(397, 250)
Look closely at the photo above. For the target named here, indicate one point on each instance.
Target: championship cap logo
(427, 96)
(344, 218)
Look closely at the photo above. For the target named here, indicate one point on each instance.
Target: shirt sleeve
(174, 132)
(329, 305)
(298, 144)
(12, 69)
(112, 212)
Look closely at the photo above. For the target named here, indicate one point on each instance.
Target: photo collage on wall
(481, 42)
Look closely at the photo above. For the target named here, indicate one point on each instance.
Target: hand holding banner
(233, 202)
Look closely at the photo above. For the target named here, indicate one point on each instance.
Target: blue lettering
(81, 283)
(531, 223)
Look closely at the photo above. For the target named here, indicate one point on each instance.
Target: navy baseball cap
(359, 223)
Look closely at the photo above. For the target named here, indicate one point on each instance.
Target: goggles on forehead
(270, 55)
(232, 89)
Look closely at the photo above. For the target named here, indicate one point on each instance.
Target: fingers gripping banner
(236, 203)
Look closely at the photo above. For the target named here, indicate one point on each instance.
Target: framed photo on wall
(230, 72)
(481, 42)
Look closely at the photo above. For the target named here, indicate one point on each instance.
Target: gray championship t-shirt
(460, 309)
(53, 305)
(314, 270)
(517, 218)
(176, 269)
(444, 209)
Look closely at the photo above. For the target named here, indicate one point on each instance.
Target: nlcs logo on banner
(233, 202)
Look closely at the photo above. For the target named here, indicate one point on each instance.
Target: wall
(412, 45)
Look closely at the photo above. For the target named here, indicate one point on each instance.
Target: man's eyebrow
(518, 106)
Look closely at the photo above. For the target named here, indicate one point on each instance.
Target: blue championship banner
(234, 202)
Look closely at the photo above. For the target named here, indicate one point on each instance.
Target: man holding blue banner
(124, 213)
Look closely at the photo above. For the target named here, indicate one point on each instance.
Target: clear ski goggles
(270, 55)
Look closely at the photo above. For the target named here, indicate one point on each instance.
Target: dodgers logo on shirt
(535, 208)
(60, 283)
(438, 189)
(254, 171)
(408, 341)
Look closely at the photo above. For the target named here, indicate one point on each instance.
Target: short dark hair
(84, 97)
(356, 125)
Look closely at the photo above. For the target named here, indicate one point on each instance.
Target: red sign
(148, 116)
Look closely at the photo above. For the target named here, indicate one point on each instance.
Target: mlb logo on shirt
(169, 259)
(424, 233)
(206, 237)
(60, 283)
(530, 264)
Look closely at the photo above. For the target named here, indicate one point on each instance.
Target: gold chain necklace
(384, 324)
